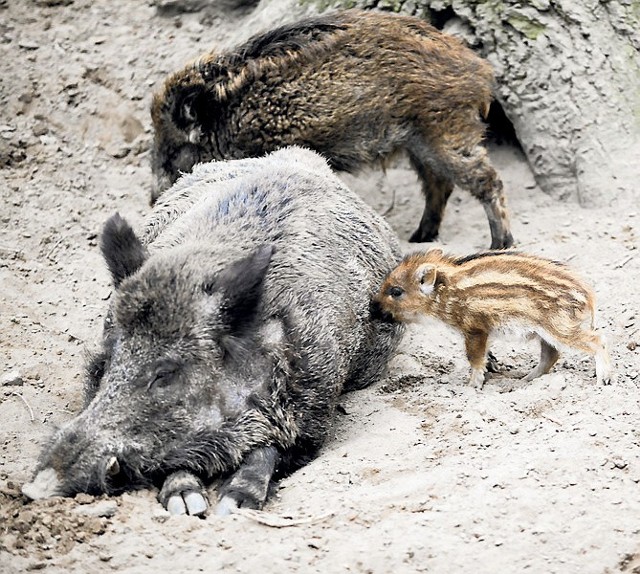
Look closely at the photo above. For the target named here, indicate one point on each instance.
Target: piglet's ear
(426, 276)
(241, 285)
(121, 249)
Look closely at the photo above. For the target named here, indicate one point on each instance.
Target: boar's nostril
(113, 467)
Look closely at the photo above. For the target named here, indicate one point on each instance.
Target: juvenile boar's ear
(426, 276)
(241, 285)
(121, 249)
(192, 111)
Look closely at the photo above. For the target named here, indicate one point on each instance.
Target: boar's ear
(192, 111)
(121, 248)
(426, 276)
(241, 286)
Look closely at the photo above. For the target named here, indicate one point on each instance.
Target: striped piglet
(484, 294)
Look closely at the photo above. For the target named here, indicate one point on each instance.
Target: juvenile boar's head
(409, 290)
(180, 358)
(182, 117)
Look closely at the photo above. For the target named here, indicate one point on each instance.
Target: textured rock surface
(568, 78)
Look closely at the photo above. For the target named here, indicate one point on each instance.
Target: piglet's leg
(183, 493)
(548, 357)
(590, 342)
(248, 487)
(476, 346)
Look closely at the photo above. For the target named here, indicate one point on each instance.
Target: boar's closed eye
(164, 374)
(395, 292)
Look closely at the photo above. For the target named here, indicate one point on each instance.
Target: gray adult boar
(357, 87)
(237, 320)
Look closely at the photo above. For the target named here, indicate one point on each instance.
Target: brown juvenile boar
(488, 293)
(355, 86)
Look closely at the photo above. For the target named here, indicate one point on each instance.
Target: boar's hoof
(192, 503)
(183, 493)
(227, 505)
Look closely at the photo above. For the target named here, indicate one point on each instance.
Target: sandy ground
(423, 473)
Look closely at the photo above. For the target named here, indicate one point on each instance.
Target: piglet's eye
(395, 292)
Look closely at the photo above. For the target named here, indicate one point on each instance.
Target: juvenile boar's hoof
(493, 365)
(502, 242)
(477, 379)
(183, 493)
(44, 485)
(422, 236)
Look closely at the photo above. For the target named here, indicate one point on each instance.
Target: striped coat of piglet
(486, 294)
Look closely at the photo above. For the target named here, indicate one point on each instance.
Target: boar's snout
(45, 484)
(67, 472)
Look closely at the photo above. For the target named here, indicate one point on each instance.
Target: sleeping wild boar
(238, 317)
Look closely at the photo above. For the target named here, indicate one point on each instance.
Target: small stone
(13, 379)
(106, 508)
(83, 498)
(619, 463)
(28, 45)
(40, 129)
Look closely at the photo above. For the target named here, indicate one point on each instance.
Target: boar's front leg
(248, 487)
(183, 493)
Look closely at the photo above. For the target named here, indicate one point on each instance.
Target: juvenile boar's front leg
(248, 487)
(183, 493)
(476, 346)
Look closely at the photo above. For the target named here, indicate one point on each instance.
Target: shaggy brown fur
(355, 86)
(485, 293)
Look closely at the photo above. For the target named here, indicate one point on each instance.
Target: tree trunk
(568, 78)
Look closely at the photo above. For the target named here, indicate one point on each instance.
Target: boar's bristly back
(121, 248)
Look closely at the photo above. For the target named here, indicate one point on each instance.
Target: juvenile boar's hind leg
(476, 346)
(248, 487)
(436, 190)
(472, 171)
(603, 364)
(183, 493)
(548, 357)
(593, 344)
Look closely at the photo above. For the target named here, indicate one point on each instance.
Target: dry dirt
(423, 473)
